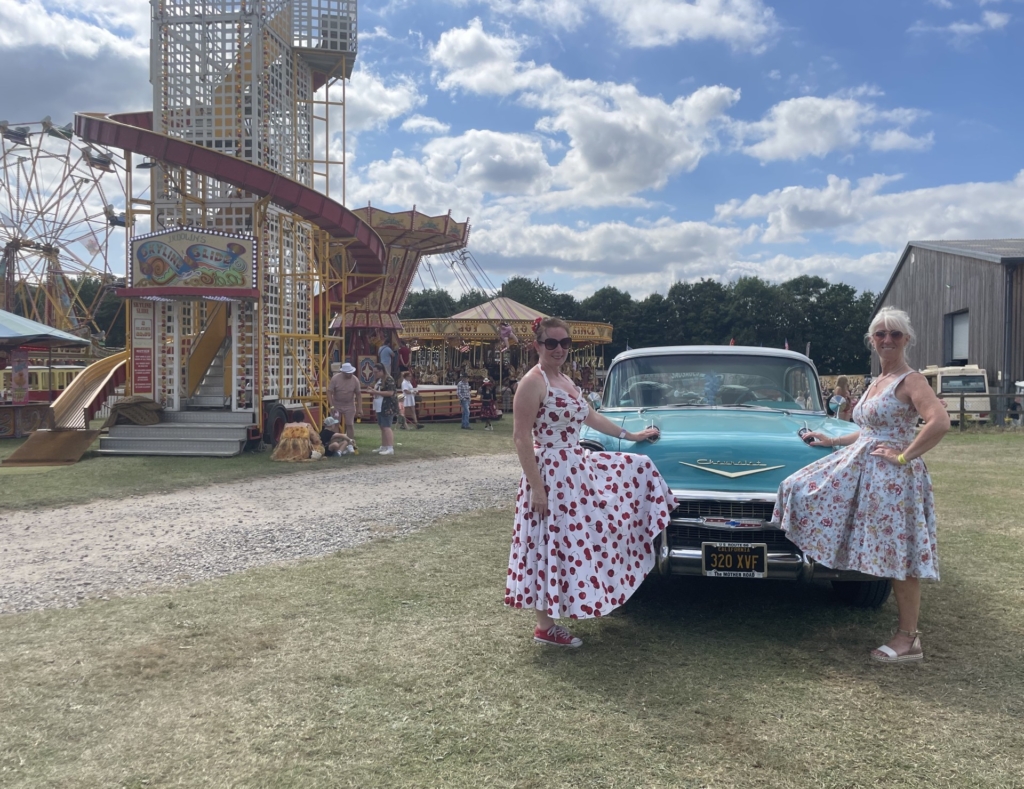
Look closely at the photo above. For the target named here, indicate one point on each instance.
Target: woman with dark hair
(385, 406)
(585, 521)
(869, 507)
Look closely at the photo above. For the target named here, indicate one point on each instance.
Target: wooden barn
(966, 301)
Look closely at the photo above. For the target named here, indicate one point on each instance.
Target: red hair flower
(536, 323)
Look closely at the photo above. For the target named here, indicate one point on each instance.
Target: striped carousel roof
(499, 309)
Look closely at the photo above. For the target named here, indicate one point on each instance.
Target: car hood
(729, 450)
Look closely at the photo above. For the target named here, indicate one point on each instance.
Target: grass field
(104, 477)
(396, 665)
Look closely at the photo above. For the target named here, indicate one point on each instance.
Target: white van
(951, 382)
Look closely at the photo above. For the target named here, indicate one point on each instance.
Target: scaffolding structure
(261, 81)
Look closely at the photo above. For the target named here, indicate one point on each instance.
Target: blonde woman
(843, 390)
(407, 405)
(869, 506)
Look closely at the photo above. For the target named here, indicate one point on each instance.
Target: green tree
(431, 303)
(699, 313)
(470, 299)
(614, 306)
(532, 293)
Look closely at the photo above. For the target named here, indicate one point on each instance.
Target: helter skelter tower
(228, 255)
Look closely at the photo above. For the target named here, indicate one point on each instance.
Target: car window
(963, 384)
(706, 379)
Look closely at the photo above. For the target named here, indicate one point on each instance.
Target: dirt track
(55, 558)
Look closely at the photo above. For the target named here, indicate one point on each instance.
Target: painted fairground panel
(189, 258)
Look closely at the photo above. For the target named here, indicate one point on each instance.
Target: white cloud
(620, 142)
(863, 214)
(943, 3)
(899, 140)
(372, 104)
(817, 126)
(566, 14)
(743, 24)
(48, 49)
(421, 124)
(995, 20)
(962, 32)
(89, 31)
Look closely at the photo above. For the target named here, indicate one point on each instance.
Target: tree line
(750, 311)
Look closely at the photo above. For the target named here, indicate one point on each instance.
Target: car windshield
(707, 379)
(963, 384)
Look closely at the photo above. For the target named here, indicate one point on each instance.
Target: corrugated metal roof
(994, 250)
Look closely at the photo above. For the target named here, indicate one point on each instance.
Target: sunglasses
(881, 334)
(551, 344)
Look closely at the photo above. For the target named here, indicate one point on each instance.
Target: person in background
(344, 397)
(842, 389)
(465, 394)
(408, 402)
(299, 440)
(335, 443)
(488, 403)
(869, 507)
(404, 356)
(385, 406)
(506, 397)
(386, 356)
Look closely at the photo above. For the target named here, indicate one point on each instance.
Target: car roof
(716, 350)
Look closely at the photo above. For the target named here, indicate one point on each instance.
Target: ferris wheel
(61, 220)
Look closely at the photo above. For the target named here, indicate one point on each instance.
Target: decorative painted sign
(143, 318)
(190, 258)
(19, 376)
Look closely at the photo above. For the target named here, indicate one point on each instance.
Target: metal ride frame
(256, 84)
(55, 223)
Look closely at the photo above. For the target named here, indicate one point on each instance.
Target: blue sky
(639, 142)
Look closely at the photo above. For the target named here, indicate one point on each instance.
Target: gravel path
(58, 557)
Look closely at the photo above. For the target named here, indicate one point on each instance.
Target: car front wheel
(863, 594)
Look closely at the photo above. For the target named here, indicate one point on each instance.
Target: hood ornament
(732, 474)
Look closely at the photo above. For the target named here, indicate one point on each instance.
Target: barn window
(957, 331)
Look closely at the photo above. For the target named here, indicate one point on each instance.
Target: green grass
(396, 665)
(114, 477)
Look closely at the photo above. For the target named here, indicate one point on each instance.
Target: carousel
(493, 340)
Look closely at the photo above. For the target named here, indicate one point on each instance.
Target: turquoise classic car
(731, 420)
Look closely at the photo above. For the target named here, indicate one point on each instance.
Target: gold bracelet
(901, 459)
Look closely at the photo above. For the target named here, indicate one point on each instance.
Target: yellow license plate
(734, 559)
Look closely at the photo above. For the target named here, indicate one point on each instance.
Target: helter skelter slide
(240, 263)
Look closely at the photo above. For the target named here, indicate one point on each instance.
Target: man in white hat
(344, 397)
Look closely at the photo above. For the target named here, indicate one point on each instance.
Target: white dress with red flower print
(852, 510)
(594, 547)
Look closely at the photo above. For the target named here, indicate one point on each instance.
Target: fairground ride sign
(192, 263)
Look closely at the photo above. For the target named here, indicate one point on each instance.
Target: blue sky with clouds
(639, 142)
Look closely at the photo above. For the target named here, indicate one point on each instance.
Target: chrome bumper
(784, 565)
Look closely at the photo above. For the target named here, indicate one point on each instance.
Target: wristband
(622, 435)
(901, 459)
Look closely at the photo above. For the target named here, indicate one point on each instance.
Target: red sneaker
(557, 636)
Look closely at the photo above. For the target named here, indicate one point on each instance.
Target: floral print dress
(594, 547)
(853, 511)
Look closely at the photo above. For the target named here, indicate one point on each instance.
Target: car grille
(731, 510)
(682, 536)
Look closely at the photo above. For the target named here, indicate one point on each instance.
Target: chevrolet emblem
(732, 474)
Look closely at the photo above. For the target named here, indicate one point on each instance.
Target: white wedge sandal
(889, 655)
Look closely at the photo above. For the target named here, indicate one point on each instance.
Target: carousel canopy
(481, 325)
(499, 309)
